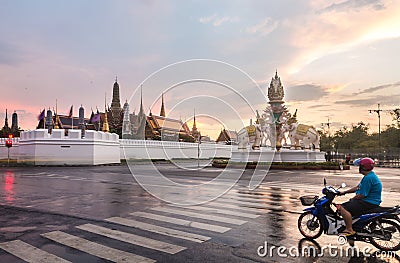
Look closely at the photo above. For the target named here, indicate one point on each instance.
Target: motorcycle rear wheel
(310, 226)
(390, 230)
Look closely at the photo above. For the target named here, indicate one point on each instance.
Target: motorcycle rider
(368, 195)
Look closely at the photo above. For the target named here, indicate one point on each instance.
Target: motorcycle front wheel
(310, 226)
(386, 235)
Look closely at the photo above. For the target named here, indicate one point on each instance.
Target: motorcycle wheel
(391, 232)
(309, 225)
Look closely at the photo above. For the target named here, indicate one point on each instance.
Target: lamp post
(378, 111)
(328, 124)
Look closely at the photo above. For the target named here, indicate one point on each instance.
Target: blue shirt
(371, 188)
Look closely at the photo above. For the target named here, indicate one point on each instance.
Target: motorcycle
(380, 227)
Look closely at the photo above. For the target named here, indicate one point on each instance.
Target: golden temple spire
(57, 119)
(162, 112)
(194, 120)
(106, 128)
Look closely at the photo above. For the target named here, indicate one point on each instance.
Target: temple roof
(160, 122)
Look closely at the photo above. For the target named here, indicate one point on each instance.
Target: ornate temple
(14, 130)
(155, 127)
(227, 137)
(122, 122)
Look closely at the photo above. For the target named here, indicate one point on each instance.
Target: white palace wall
(167, 150)
(38, 147)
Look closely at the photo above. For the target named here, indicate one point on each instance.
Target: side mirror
(324, 182)
(343, 185)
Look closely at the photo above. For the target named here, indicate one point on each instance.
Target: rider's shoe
(347, 233)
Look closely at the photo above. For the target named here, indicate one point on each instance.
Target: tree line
(358, 139)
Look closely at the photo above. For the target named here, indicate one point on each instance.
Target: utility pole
(378, 111)
(328, 124)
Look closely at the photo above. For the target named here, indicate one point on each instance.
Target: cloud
(383, 100)
(353, 5)
(376, 88)
(319, 106)
(316, 35)
(305, 92)
(218, 21)
(263, 28)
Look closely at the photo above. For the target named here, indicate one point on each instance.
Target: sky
(336, 59)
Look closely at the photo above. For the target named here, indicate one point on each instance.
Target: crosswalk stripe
(197, 215)
(132, 239)
(182, 222)
(236, 207)
(248, 204)
(222, 211)
(30, 253)
(260, 195)
(95, 249)
(292, 188)
(267, 199)
(158, 229)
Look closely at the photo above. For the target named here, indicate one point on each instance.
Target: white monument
(277, 125)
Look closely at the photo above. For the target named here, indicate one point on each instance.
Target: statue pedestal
(284, 155)
(243, 156)
(287, 155)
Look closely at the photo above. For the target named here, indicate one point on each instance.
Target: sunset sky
(336, 59)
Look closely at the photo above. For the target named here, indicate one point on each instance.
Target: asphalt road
(102, 214)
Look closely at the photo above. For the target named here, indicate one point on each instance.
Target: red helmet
(367, 164)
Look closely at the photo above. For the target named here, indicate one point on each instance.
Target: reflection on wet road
(103, 214)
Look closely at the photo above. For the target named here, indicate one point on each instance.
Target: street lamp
(378, 111)
(328, 124)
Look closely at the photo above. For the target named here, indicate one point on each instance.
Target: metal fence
(389, 157)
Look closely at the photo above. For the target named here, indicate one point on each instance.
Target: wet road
(101, 214)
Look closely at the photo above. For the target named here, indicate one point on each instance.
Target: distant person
(328, 156)
(368, 195)
(348, 158)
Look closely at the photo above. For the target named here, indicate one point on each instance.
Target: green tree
(390, 137)
(396, 117)
(325, 141)
(354, 138)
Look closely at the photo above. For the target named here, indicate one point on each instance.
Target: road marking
(182, 222)
(95, 249)
(132, 239)
(266, 199)
(197, 215)
(159, 229)
(290, 186)
(30, 253)
(222, 211)
(240, 208)
(261, 194)
(247, 204)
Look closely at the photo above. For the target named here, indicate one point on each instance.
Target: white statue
(304, 133)
(248, 134)
(258, 133)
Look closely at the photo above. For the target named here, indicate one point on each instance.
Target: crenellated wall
(38, 147)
